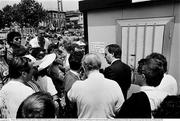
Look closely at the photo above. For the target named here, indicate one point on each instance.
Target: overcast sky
(47, 4)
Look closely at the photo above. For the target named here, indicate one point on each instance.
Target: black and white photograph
(90, 59)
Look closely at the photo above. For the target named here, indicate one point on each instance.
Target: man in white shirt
(141, 104)
(168, 83)
(96, 96)
(40, 40)
(15, 91)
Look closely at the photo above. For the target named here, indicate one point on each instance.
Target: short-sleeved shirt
(46, 85)
(168, 85)
(155, 96)
(34, 43)
(96, 97)
(12, 95)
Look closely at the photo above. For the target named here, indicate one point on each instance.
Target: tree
(31, 13)
(8, 15)
(2, 25)
(26, 13)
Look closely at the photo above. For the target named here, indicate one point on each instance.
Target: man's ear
(143, 76)
(24, 74)
(112, 54)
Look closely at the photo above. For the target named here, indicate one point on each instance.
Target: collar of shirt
(95, 74)
(147, 88)
(74, 72)
(114, 60)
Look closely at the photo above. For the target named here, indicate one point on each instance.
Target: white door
(140, 37)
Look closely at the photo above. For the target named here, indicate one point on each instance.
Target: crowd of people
(56, 78)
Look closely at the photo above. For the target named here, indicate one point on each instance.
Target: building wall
(175, 47)
(102, 28)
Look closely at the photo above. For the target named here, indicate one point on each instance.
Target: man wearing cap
(32, 82)
(43, 80)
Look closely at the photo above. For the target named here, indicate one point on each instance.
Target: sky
(47, 4)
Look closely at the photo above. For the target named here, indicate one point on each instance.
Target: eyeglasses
(17, 38)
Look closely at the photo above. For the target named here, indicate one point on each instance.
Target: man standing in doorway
(118, 71)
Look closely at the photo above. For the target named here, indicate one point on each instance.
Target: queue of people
(58, 80)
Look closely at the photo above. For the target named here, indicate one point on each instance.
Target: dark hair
(21, 51)
(169, 108)
(52, 47)
(161, 58)
(153, 71)
(18, 65)
(43, 72)
(11, 35)
(114, 49)
(68, 47)
(75, 60)
(36, 52)
(37, 105)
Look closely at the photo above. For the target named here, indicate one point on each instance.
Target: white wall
(99, 37)
(174, 65)
(102, 27)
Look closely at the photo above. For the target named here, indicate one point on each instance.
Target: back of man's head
(75, 60)
(91, 62)
(153, 71)
(160, 57)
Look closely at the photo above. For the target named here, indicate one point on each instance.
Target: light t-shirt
(46, 84)
(169, 85)
(96, 97)
(34, 43)
(11, 96)
(155, 96)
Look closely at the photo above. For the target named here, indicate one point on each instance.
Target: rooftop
(87, 5)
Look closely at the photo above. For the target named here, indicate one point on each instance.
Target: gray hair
(91, 62)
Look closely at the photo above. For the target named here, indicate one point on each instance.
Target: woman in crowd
(56, 70)
(4, 68)
(14, 45)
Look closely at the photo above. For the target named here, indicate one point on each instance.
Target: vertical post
(153, 37)
(144, 40)
(128, 35)
(60, 9)
(85, 21)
